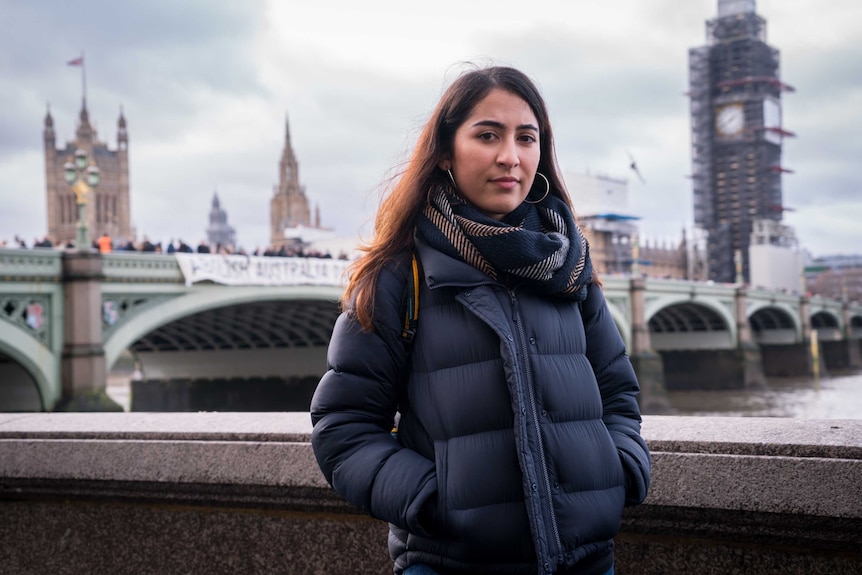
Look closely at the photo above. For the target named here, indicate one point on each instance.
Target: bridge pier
(841, 354)
(713, 369)
(846, 353)
(748, 350)
(787, 360)
(83, 369)
(646, 362)
(792, 359)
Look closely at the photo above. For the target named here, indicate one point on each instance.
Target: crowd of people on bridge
(106, 244)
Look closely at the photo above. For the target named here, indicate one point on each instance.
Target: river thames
(837, 396)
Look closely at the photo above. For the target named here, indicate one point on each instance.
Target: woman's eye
(487, 136)
(528, 138)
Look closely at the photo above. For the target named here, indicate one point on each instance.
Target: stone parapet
(30, 265)
(748, 495)
(242, 493)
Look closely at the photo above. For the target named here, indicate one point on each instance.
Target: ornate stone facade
(289, 207)
(108, 207)
(616, 247)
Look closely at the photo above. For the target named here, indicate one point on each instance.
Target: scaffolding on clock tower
(736, 135)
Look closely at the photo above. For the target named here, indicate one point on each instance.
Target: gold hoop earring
(452, 179)
(547, 190)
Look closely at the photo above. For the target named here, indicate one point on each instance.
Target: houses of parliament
(109, 208)
(614, 242)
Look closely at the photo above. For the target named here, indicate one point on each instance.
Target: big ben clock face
(729, 120)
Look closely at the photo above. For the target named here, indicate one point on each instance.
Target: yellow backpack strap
(411, 314)
(411, 319)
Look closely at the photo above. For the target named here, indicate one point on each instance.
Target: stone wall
(241, 493)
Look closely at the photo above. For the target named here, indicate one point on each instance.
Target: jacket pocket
(441, 462)
(609, 456)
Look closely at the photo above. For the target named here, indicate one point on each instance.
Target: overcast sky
(206, 87)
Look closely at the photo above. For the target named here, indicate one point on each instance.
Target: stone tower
(289, 206)
(108, 207)
(219, 233)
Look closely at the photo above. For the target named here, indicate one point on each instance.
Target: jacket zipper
(534, 410)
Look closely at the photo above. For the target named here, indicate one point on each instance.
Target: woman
(519, 440)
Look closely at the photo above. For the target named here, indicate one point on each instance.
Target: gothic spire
(85, 132)
(122, 134)
(287, 130)
(48, 134)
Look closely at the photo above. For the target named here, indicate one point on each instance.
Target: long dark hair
(396, 217)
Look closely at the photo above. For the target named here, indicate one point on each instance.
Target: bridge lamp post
(83, 178)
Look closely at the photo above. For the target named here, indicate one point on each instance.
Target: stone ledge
(807, 467)
(774, 484)
(667, 433)
(200, 426)
(834, 439)
(161, 461)
(242, 493)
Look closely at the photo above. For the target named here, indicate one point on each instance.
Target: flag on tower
(79, 61)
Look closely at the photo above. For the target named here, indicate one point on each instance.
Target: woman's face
(496, 153)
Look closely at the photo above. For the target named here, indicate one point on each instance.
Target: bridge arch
(827, 324)
(774, 324)
(203, 298)
(686, 323)
(37, 362)
(856, 326)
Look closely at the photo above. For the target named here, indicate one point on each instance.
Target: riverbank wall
(241, 493)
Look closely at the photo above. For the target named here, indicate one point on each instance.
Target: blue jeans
(425, 570)
(419, 570)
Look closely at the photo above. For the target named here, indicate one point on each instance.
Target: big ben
(737, 135)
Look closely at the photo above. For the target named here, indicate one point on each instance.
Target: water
(836, 397)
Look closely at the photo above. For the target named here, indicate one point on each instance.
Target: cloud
(206, 88)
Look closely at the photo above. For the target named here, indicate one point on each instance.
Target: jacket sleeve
(352, 412)
(619, 389)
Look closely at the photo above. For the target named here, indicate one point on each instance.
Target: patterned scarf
(537, 246)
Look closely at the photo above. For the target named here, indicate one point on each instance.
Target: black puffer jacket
(519, 440)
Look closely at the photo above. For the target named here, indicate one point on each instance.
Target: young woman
(518, 442)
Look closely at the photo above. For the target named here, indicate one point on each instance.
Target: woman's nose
(508, 154)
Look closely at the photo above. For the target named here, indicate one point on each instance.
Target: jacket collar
(440, 269)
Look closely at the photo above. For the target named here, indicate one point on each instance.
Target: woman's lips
(507, 183)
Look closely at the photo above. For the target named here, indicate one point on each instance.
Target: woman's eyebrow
(495, 124)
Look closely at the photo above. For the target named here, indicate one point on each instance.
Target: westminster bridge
(67, 318)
